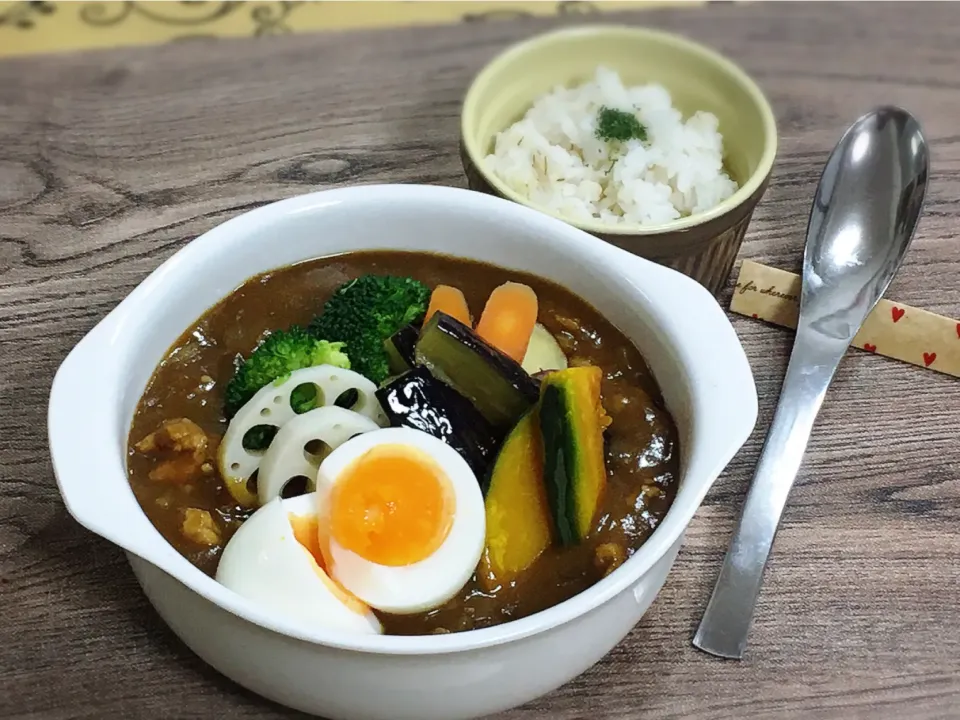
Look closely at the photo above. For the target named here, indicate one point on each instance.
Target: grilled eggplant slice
(417, 399)
(401, 347)
(497, 385)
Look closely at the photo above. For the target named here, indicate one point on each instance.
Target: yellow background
(42, 27)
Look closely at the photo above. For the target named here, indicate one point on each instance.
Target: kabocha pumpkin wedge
(572, 421)
(519, 525)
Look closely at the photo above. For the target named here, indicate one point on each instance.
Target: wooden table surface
(111, 161)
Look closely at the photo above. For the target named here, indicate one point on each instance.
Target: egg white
(431, 582)
(266, 564)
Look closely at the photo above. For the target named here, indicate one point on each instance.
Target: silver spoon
(862, 221)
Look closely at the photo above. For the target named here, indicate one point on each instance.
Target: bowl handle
(88, 447)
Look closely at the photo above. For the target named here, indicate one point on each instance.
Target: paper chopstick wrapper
(892, 329)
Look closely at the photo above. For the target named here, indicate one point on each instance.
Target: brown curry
(188, 503)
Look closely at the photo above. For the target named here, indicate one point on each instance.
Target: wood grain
(111, 161)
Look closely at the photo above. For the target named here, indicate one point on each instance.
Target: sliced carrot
(449, 300)
(508, 319)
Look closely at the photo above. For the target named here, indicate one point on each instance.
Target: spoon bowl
(861, 224)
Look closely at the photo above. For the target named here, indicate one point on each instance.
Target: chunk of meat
(179, 470)
(178, 435)
(650, 490)
(567, 342)
(608, 557)
(567, 323)
(199, 527)
(183, 449)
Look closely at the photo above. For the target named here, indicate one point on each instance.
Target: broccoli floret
(280, 354)
(365, 312)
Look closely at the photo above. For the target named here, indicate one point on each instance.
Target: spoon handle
(726, 622)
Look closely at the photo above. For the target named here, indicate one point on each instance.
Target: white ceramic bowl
(683, 333)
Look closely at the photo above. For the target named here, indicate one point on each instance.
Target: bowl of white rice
(642, 138)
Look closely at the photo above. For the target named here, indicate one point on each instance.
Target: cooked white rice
(553, 158)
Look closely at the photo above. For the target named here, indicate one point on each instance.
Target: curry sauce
(192, 509)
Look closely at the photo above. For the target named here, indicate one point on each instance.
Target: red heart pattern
(905, 348)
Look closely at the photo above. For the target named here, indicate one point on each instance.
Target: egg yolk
(306, 532)
(392, 506)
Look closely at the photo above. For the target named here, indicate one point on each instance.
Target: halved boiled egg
(272, 560)
(404, 518)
